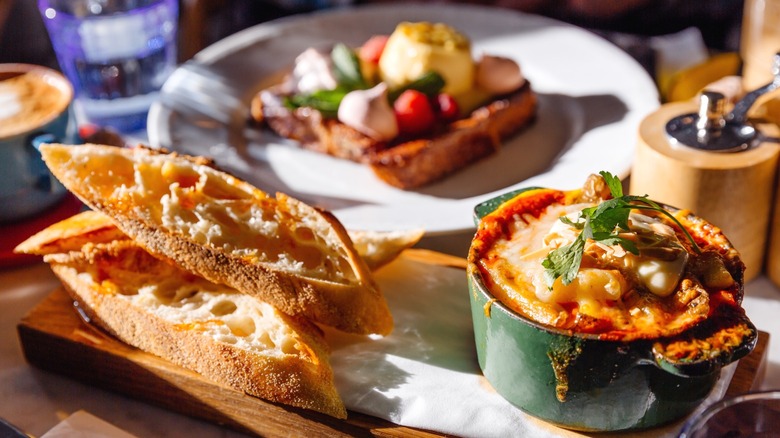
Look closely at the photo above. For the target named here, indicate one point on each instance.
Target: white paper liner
(425, 374)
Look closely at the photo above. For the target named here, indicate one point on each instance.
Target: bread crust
(348, 307)
(304, 380)
(71, 234)
(376, 248)
(106, 178)
(405, 163)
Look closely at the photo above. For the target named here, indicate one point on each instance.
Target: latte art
(27, 101)
(9, 102)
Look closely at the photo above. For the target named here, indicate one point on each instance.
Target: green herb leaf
(564, 262)
(601, 223)
(346, 67)
(610, 214)
(611, 240)
(430, 83)
(613, 182)
(578, 225)
(325, 101)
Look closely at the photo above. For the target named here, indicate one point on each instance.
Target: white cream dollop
(498, 75)
(313, 71)
(369, 112)
(659, 276)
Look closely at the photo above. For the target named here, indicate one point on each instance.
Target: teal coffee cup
(35, 106)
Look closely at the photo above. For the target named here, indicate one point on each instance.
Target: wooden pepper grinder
(720, 166)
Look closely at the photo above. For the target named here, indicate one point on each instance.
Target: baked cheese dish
(657, 273)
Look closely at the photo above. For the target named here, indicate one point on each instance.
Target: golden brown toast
(71, 234)
(278, 249)
(376, 248)
(405, 162)
(224, 335)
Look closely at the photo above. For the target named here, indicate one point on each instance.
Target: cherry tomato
(372, 49)
(448, 107)
(414, 112)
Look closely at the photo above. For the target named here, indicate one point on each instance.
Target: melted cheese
(613, 290)
(659, 276)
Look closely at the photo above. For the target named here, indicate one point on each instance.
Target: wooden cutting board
(54, 338)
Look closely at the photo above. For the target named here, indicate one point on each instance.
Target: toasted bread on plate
(406, 163)
(418, 162)
(413, 105)
(298, 258)
(379, 248)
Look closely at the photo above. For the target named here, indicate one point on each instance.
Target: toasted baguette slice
(379, 248)
(224, 335)
(376, 248)
(71, 234)
(405, 162)
(293, 256)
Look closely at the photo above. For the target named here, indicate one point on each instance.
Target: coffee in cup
(28, 101)
(34, 108)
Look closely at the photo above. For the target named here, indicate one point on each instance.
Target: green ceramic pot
(579, 381)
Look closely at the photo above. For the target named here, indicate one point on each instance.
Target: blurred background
(631, 24)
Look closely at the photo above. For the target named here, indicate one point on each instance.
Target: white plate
(592, 99)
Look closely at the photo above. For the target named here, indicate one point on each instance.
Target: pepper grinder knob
(711, 118)
(709, 129)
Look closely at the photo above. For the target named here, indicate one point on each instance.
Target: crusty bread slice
(404, 162)
(71, 234)
(224, 335)
(379, 248)
(291, 255)
(376, 248)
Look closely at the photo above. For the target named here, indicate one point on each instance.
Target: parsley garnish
(602, 223)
